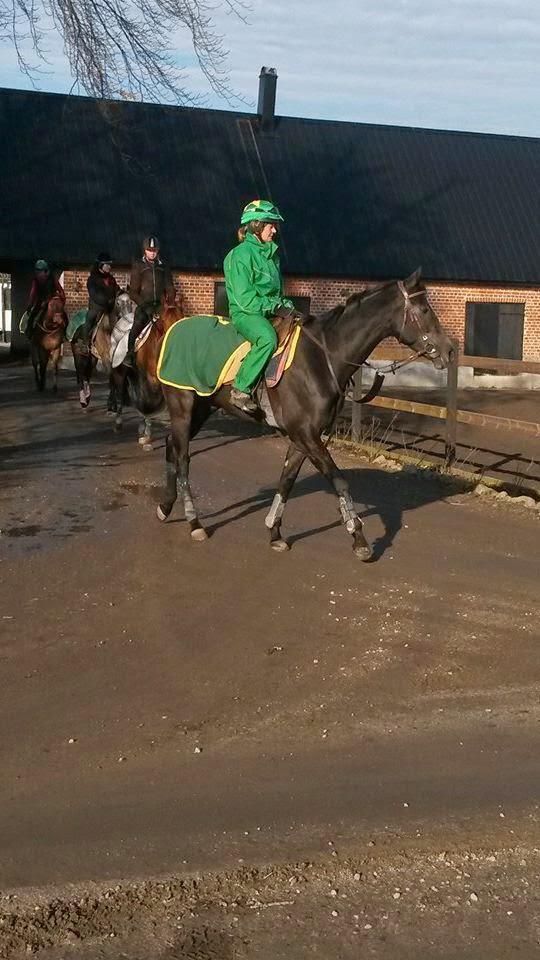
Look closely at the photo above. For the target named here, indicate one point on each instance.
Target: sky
(447, 64)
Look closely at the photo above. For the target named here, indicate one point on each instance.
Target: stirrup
(243, 401)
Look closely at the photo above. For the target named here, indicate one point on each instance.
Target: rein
(380, 371)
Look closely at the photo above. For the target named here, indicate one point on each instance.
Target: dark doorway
(495, 330)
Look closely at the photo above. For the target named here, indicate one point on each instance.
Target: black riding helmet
(151, 242)
(103, 258)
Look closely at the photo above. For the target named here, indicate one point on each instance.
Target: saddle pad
(201, 353)
(119, 338)
(75, 322)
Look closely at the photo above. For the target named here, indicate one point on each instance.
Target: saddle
(284, 327)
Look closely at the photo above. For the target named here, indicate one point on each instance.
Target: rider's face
(151, 255)
(106, 267)
(268, 232)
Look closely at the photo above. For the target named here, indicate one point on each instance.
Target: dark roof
(79, 175)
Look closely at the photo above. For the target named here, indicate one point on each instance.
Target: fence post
(356, 418)
(451, 406)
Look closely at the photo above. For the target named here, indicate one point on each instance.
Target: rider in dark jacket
(150, 280)
(102, 292)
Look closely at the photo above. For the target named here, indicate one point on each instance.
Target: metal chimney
(266, 107)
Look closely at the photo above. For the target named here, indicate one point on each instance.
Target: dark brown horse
(48, 333)
(306, 401)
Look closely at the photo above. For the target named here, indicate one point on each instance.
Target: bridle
(422, 347)
(52, 323)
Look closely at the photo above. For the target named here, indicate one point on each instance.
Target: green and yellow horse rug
(202, 353)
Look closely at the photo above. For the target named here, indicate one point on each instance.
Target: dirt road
(168, 708)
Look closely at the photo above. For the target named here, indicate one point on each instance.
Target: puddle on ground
(28, 530)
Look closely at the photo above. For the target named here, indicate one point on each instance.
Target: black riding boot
(140, 320)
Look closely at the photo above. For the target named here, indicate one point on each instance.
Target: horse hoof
(83, 403)
(111, 413)
(363, 553)
(280, 546)
(118, 425)
(162, 514)
(148, 448)
(199, 534)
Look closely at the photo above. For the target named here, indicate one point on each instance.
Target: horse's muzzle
(439, 351)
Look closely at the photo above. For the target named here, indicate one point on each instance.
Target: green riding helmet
(263, 210)
(41, 266)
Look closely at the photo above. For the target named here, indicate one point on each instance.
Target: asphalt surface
(168, 707)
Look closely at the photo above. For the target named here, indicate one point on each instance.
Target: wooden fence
(449, 412)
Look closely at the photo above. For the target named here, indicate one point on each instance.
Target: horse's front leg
(293, 461)
(118, 377)
(145, 433)
(56, 361)
(112, 403)
(43, 361)
(322, 461)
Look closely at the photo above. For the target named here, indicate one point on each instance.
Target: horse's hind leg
(171, 486)
(322, 461)
(293, 462)
(181, 405)
(35, 364)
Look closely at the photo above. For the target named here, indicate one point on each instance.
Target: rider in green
(255, 293)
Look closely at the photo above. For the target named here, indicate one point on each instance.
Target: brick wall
(448, 299)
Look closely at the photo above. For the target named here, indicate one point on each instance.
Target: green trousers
(260, 332)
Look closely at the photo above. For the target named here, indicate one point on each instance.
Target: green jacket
(253, 279)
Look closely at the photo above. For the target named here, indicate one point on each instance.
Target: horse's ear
(411, 282)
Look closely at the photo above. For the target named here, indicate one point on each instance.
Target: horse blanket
(203, 352)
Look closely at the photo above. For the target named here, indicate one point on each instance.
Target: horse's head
(55, 315)
(416, 324)
(123, 305)
(169, 315)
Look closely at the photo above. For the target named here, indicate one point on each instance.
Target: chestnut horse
(141, 382)
(48, 333)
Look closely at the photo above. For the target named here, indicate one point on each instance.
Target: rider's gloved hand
(289, 313)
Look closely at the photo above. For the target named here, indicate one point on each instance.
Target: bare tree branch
(123, 49)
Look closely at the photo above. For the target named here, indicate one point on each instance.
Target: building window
(221, 304)
(495, 330)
